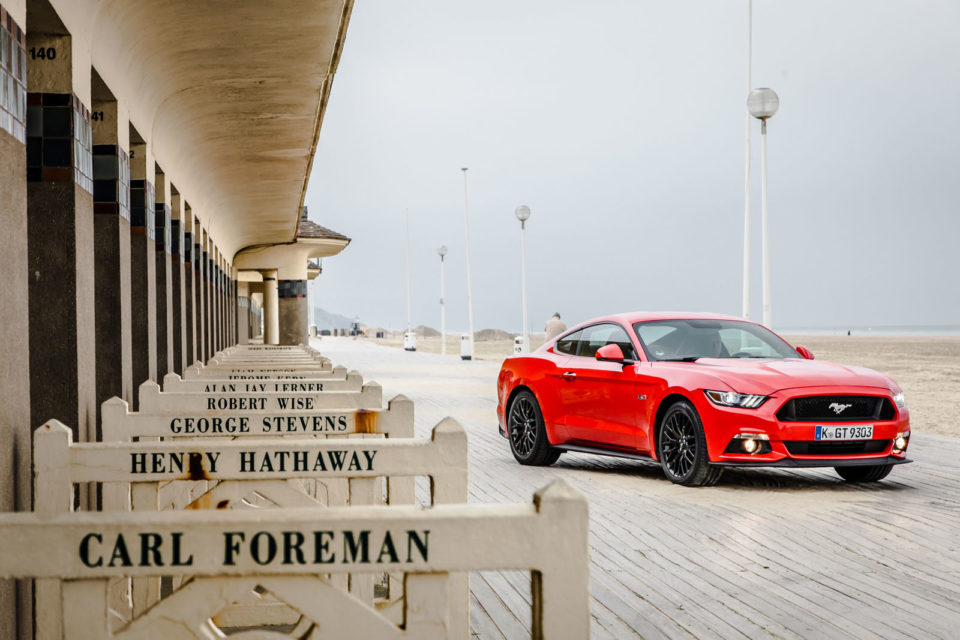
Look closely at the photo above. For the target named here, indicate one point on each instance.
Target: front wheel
(682, 448)
(528, 437)
(869, 473)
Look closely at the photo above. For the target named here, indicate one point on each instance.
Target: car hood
(767, 376)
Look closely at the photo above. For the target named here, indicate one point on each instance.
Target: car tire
(682, 448)
(527, 435)
(870, 473)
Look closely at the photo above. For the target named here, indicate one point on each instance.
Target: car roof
(641, 316)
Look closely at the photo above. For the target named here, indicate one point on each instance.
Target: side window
(568, 344)
(600, 335)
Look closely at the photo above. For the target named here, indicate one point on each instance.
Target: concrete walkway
(781, 554)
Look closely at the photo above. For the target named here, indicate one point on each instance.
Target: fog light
(900, 442)
(749, 443)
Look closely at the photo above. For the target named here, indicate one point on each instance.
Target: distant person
(555, 327)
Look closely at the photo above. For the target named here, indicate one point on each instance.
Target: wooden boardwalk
(766, 553)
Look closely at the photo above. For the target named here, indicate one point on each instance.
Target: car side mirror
(612, 353)
(803, 351)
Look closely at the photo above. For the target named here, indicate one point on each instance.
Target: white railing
(227, 555)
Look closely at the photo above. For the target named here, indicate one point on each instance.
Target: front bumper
(723, 424)
(808, 463)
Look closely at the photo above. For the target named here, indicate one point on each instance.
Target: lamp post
(746, 188)
(409, 337)
(466, 218)
(523, 214)
(442, 251)
(763, 103)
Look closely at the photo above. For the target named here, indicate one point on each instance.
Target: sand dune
(928, 368)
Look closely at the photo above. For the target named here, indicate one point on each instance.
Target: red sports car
(697, 393)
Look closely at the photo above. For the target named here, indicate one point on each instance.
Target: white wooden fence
(255, 395)
(353, 381)
(258, 426)
(228, 554)
(272, 471)
(119, 423)
(253, 372)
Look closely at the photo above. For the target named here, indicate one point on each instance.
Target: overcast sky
(621, 125)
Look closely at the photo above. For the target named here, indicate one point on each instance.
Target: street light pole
(763, 104)
(466, 218)
(406, 241)
(765, 225)
(442, 251)
(523, 214)
(409, 337)
(746, 188)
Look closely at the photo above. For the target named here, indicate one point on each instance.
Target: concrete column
(235, 306)
(61, 230)
(214, 299)
(111, 208)
(292, 307)
(256, 308)
(204, 298)
(218, 298)
(227, 305)
(189, 301)
(164, 289)
(243, 308)
(143, 262)
(15, 331)
(271, 325)
(177, 313)
(199, 268)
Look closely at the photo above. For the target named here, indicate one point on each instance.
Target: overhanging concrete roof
(230, 94)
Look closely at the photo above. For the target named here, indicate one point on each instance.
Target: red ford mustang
(699, 392)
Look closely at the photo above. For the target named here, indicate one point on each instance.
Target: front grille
(845, 448)
(824, 409)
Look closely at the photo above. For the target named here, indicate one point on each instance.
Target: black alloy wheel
(528, 438)
(869, 473)
(682, 448)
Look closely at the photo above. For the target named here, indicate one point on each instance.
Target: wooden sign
(256, 398)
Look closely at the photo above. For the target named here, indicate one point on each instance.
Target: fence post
(449, 486)
(115, 496)
(53, 494)
(561, 593)
(397, 422)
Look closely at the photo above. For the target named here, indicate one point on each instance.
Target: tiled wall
(13, 77)
(59, 140)
(175, 238)
(162, 226)
(111, 180)
(292, 289)
(142, 208)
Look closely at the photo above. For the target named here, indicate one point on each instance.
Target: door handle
(569, 376)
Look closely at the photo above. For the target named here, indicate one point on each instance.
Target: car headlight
(898, 400)
(733, 399)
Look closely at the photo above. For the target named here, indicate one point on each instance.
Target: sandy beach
(927, 368)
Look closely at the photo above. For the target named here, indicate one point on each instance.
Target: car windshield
(688, 340)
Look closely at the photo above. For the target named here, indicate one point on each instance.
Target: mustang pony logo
(839, 408)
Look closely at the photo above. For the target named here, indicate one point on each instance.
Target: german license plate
(845, 432)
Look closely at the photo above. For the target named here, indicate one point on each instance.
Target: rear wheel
(682, 448)
(528, 437)
(870, 473)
